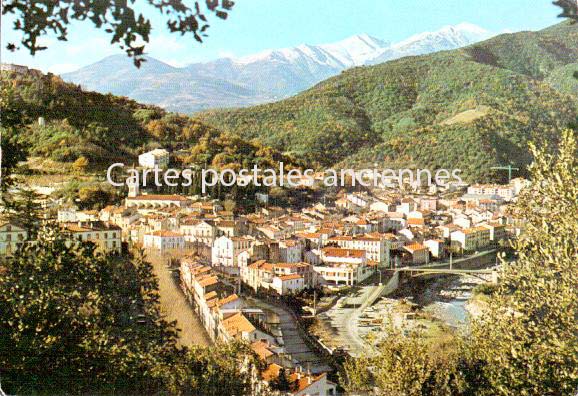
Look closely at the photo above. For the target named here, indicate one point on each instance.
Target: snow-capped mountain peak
(262, 77)
(454, 35)
(356, 50)
(352, 51)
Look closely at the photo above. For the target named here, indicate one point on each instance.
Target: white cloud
(63, 68)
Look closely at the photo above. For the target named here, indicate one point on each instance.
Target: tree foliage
(529, 337)
(408, 365)
(104, 129)
(78, 322)
(11, 150)
(127, 28)
(526, 342)
(21, 206)
(569, 9)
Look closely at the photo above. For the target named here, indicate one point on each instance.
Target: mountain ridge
(263, 77)
(518, 86)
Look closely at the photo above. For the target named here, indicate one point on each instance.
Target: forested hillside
(471, 108)
(53, 119)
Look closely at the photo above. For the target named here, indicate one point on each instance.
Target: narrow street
(175, 306)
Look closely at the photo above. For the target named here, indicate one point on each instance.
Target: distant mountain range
(260, 78)
(471, 108)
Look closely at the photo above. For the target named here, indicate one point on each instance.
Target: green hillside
(59, 121)
(470, 108)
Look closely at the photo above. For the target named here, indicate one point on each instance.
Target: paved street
(344, 320)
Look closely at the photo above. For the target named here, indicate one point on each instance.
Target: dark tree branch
(569, 9)
(129, 30)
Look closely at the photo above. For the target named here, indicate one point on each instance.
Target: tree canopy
(127, 27)
(73, 321)
(527, 338)
(525, 341)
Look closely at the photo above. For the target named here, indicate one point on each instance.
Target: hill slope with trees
(471, 108)
(52, 119)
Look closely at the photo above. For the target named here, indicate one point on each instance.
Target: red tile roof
(155, 197)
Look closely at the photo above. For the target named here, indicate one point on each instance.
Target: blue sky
(256, 25)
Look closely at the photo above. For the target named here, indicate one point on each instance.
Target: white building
(155, 158)
(106, 237)
(380, 206)
(11, 236)
(164, 240)
(436, 247)
(406, 206)
(67, 215)
(195, 230)
(471, 239)
(288, 284)
(361, 200)
(373, 245)
(505, 191)
(497, 232)
(154, 201)
(226, 250)
(290, 251)
(342, 266)
(262, 274)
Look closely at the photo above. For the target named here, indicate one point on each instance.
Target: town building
(154, 201)
(226, 250)
(197, 230)
(470, 239)
(106, 237)
(436, 248)
(290, 251)
(262, 274)
(158, 158)
(374, 245)
(288, 284)
(12, 236)
(417, 253)
(342, 266)
(301, 383)
(164, 240)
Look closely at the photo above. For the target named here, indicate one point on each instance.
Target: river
(448, 298)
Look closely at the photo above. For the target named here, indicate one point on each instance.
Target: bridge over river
(449, 267)
(344, 317)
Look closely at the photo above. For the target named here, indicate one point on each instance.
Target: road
(175, 306)
(344, 320)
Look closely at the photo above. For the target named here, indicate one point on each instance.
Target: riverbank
(445, 298)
